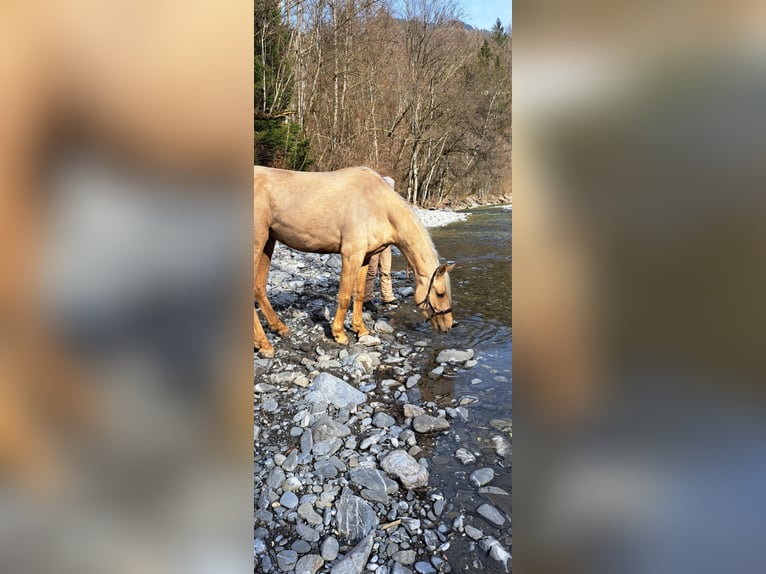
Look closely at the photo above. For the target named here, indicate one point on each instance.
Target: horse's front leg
(356, 322)
(348, 275)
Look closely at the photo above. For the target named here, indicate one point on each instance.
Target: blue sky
(483, 13)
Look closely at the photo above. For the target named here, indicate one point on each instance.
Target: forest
(402, 86)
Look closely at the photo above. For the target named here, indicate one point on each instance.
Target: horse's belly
(305, 240)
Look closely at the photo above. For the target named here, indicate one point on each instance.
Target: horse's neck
(414, 243)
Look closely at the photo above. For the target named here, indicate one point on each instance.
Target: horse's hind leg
(261, 275)
(259, 337)
(356, 322)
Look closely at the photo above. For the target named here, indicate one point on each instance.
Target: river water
(481, 293)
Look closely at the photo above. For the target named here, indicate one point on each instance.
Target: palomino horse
(354, 212)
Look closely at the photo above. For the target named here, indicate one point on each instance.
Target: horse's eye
(440, 294)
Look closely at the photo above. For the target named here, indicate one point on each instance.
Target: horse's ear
(444, 268)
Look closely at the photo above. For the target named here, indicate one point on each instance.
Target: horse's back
(317, 211)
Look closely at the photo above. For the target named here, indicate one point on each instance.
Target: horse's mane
(418, 224)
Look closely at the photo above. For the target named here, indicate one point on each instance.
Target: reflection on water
(481, 292)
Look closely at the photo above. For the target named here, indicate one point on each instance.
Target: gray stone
(329, 549)
(399, 569)
(307, 442)
(465, 456)
(427, 424)
(473, 532)
(355, 518)
(276, 477)
(300, 546)
(491, 514)
(331, 389)
(411, 411)
(382, 327)
(383, 420)
(307, 512)
(373, 479)
(289, 500)
(287, 559)
(424, 568)
(439, 506)
(406, 557)
(454, 356)
(375, 495)
(496, 552)
(369, 340)
(327, 447)
(400, 464)
(482, 476)
(291, 462)
(412, 381)
(309, 564)
(270, 406)
(307, 533)
(502, 447)
(355, 561)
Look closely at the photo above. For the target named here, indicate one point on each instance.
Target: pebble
(383, 420)
(465, 456)
(309, 564)
(289, 500)
(329, 549)
(287, 559)
(424, 568)
(482, 476)
(400, 464)
(454, 356)
(473, 532)
(355, 561)
(491, 514)
(428, 424)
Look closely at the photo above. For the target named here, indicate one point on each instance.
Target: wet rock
(373, 479)
(454, 356)
(412, 381)
(412, 411)
(496, 552)
(436, 373)
(309, 564)
(428, 424)
(424, 568)
(331, 389)
(400, 464)
(329, 549)
(465, 456)
(355, 561)
(300, 546)
(502, 447)
(473, 532)
(482, 476)
(491, 514)
(355, 518)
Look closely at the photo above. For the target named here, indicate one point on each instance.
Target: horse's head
(434, 298)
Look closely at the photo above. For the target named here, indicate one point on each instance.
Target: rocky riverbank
(343, 440)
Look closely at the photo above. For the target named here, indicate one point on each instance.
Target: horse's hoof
(341, 339)
(284, 331)
(266, 352)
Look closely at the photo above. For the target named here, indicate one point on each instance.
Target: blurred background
(125, 286)
(638, 284)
